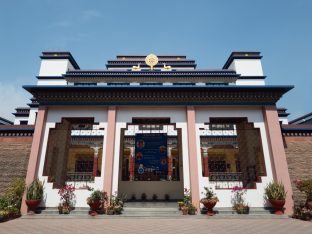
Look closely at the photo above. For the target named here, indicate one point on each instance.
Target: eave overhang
(157, 95)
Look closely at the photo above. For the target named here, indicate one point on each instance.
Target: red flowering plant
(305, 186)
(67, 197)
(238, 200)
(304, 211)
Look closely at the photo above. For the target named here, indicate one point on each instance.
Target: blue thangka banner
(151, 152)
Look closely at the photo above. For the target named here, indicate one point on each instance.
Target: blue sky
(208, 31)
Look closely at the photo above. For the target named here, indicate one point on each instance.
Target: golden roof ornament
(136, 68)
(151, 60)
(167, 68)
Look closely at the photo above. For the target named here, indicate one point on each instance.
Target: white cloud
(12, 96)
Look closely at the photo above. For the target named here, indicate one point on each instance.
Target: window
(232, 151)
(84, 166)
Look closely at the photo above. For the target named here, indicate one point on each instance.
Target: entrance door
(151, 162)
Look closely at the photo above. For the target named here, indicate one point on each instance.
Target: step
(252, 211)
(55, 211)
(158, 210)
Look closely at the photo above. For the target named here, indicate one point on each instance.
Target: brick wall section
(14, 155)
(299, 158)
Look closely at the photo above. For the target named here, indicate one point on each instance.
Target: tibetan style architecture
(155, 125)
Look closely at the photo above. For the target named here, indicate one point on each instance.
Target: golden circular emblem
(151, 60)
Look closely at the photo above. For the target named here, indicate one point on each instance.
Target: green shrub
(13, 195)
(3, 203)
(35, 190)
(275, 191)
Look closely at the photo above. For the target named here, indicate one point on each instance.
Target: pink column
(192, 150)
(95, 161)
(34, 157)
(277, 151)
(131, 163)
(109, 153)
(206, 162)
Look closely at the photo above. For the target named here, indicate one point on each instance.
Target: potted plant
(191, 209)
(184, 210)
(143, 196)
(118, 209)
(34, 194)
(96, 201)
(67, 197)
(306, 187)
(180, 204)
(209, 201)
(110, 210)
(115, 204)
(238, 200)
(275, 193)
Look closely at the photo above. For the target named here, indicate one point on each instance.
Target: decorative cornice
(121, 57)
(157, 95)
(16, 130)
(22, 111)
(159, 65)
(251, 77)
(119, 61)
(204, 76)
(296, 130)
(50, 77)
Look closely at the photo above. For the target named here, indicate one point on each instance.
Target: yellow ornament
(151, 60)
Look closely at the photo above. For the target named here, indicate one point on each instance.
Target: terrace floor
(183, 224)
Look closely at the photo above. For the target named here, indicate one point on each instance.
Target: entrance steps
(151, 209)
(157, 210)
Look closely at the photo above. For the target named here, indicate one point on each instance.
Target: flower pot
(109, 212)
(192, 212)
(209, 204)
(184, 210)
(181, 204)
(309, 204)
(94, 206)
(32, 204)
(242, 209)
(278, 206)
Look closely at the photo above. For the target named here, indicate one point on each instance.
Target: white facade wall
(51, 82)
(177, 115)
(250, 82)
(32, 115)
(54, 67)
(284, 120)
(254, 197)
(247, 67)
(18, 119)
(51, 197)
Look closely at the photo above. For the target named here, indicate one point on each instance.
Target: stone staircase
(151, 209)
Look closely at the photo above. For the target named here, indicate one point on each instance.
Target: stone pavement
(155, 225)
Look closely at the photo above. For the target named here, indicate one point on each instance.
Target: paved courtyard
(155, 225)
